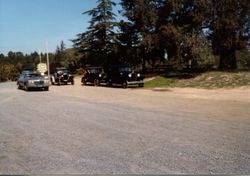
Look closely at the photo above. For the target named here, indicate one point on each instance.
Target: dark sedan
(124, 75)
(93, 75)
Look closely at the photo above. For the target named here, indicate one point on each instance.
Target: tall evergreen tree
(99, 40)
(142, 16)
(60, 55)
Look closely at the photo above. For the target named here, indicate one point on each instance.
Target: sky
(26, 25)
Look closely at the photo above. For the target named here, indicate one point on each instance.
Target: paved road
(75, 129)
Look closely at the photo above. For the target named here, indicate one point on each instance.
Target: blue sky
(25, 25)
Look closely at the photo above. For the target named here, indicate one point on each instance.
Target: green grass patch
(159, 81)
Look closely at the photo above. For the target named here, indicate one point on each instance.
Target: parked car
(29, 80)
(123, 75)
(94, 75)
(62, 76)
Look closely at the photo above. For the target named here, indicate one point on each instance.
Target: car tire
(109, 83)
(72, 82)
(96, 82)
(59, 83)
(18, 86)
(46, 89)
(124, 85)
(26, 87)
(83, 82)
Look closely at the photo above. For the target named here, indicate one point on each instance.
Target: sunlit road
(75, 129)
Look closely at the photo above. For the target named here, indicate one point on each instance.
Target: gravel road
(99, 130)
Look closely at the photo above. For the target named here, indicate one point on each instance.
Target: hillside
(209, 80)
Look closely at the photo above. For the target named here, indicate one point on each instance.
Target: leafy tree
(229, 24)
(8, 72)
(180, 25)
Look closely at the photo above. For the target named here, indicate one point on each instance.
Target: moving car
(62, 76)
(94, 75)
(32, 80)
(123, 75)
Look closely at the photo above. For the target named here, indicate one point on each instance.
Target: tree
(142, 16)
(98, 41)
(60, 55)
(180, 24)
(229, 26)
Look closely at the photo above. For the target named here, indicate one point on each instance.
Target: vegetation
(182, 34)
(14, 62)
(160, 81)
(98, 42)
(154, 36)
(208, 80)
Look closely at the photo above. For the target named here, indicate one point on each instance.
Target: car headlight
(138, 75)
(130, 75)
(100, 75)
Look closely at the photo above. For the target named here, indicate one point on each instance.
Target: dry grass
(209, 80)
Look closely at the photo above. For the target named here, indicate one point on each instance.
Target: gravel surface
(99, 130)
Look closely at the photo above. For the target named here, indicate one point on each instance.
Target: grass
(208, 80)
(159, 81)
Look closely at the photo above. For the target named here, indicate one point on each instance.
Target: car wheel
(18, 86)
(59, 83)
(46, 89)
(109, 83)
(26, 87)
(72, 82)
(124, 85)
(96, 82)
(83, 82)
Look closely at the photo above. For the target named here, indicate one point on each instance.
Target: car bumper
(69, 79)
(37, 85)
(135, 82)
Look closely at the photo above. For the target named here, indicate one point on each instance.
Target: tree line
(181, 33)
(13, 63)
(176, 34)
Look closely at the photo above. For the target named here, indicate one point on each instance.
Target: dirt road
(76, 129)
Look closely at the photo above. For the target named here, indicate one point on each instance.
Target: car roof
(61, 68)
(117, 66)
(94, 67)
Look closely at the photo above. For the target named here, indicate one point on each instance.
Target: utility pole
(40, 57)
(47, 53)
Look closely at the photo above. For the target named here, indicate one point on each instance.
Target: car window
(33, 75)
(63, 71)
(125, 69)
(95, 70)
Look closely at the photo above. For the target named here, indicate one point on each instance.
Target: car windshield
(33, 75)
(95, 70)
(63, 71)
(125, 69)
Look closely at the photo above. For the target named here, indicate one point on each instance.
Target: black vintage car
(124, 76)
(62, 76)
(93, 75)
